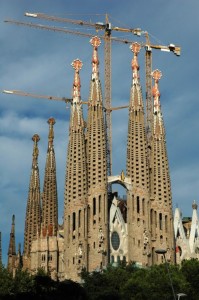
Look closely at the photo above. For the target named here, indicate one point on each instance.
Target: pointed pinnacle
(155, 90)
(77, 65)
(51, 122)
(35, 139)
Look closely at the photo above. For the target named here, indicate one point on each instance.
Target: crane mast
(106, 27)
(148, 82)
(107, 97)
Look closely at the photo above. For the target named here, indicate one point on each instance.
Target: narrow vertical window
(166, 223)
(143, 210)
(138, 204)
(160, 221)
(94, 206)
(74, 223)
(99, 203)
(79, 219)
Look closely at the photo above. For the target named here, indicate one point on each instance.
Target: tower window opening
(99, 203)
(79, 218)
(160, 221)
(138, 204)
(166, 223)
(94, 206)
(74, 221)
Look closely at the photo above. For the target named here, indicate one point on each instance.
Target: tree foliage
(125, 282)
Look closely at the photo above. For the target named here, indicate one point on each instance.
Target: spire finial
(194, 205)
(77, 65)
(156, 93)
(135, 48)
(35, 139)
(51, 122)
(95, 42)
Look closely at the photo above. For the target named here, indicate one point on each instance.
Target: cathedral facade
(100, 228)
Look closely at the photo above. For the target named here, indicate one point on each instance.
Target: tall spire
(97, 170)
(33, 208)
(161, 185)
(12, 247)
(95, 96)
(49, 196)
(136, 102)
(161, 204)
(75, 198)
(158, 121)
(137, 169)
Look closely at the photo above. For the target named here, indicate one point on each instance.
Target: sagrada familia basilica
(99, 228)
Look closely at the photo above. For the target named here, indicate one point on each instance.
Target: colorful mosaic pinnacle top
(156, 75)
(77, 65)
(135, 48)
(95, 42)
(155, 90)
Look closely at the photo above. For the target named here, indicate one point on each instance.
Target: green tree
(23, 282)
(6, 282)
(107, 284)
(190, 270)
(154, 283)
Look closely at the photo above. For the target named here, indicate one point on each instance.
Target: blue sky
(38, 61)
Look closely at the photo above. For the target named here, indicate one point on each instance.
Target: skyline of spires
(86, 236)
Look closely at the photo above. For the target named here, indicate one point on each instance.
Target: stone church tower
(47, 247)
(97, 170)
(138, 172)
(161, 215)
(86, 207)
(76, 190)
(33, 209)
(49, 197)
(95, 232)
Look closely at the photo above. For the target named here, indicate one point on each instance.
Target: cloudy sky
(39, 61)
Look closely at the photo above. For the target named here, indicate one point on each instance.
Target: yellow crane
(108, 28)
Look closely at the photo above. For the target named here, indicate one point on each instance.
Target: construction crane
(107, 28)
(21, 93)
(67, 100)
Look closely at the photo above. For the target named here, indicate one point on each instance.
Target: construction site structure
(107, 37)
(95, 232)
(99, 227)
